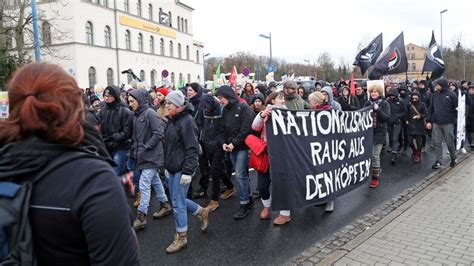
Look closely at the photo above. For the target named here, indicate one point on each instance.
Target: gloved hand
(185, 180)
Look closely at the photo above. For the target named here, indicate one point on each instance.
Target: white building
(101, 38)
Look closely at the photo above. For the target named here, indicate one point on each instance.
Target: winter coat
(398, 108)
(181, 143)
(212, 131)
(259, 122)
(248, 97)
(470, 113)
(335, 105)
(362, 99)
(238, 118)
(382, 115)
(425, 95)
(349, 103)
(116, 122)
(148, 132)
(79, 198)
(443, 110)
(416, 126)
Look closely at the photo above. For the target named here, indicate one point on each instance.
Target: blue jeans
(120, 158)
(131, 166)
(240, 161)
(181, 205)
(149, 178)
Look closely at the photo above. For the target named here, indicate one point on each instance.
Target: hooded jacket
(335, 105)
(238, 118)
(416, 126)
(181, 143)
(77, 199)
(148, 132)
(398, 108)
(348, 103)
(212, 132)
(116, 123)
(442, 111)
(382, 115)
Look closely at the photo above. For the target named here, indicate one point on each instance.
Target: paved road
(252, 241)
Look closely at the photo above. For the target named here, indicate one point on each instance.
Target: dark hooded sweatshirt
(238, 118)
(148, 133)
(442, 111)
(116, 123)
(398, 107)
(212, 131)
(79, 213)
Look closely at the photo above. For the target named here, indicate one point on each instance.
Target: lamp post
(269, 37)
(34, 13)
(309, 64)
(204, 64)
(441, 15)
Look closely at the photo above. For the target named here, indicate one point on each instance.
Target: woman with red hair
(78, 211)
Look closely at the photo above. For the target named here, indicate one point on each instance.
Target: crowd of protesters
(161, 139)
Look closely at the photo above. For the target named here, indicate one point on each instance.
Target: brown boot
(204, 217)
(213, 205)
(137, 199)
(140, 221)
(165, 210)
(180, 242)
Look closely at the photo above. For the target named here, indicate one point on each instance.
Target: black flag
(434, 60)
(368, 56)
(393, 60)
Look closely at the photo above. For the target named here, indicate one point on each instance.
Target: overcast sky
(304, 29)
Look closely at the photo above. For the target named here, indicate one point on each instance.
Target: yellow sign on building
(146, 26)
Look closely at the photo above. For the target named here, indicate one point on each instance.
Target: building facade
(416, 58)
(102, 38)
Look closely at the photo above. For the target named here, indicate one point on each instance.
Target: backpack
(16, 238)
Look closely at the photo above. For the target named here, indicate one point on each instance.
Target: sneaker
(453, 162)
(436, 165)
(265, 213)
(242, 212)
(330, 206)
(213, 205)
(281, 220)
(463, 151)
(374, 183)
(228, 193)
(201, 193)
(140, 221)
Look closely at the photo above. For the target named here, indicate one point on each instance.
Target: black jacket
(181, 143)
(349, 103)
(398, 108)
(381, 116)
(416, 126)
(362, 99)
(212, 132)
(443, 110)
(425, 95)
(148, 132)
(80, 214)
(116, 124)
(238, 118)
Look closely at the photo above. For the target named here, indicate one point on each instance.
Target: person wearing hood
(347, 101)
(470, 116)
(80, 196)
(249, 93)
(425, 94)
(292, 100)
(181, 161)
(96, 105)
(148, 150)
(328, 93)
(441, 118)
(237, 124)
(211, 136)
(116, 127)
(258, 103)
(405, 96)
(415, 121)
(380, 116)
(398, 110)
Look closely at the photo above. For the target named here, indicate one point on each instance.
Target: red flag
(352, 87)
(233, 76)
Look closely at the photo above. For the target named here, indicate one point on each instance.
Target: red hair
(45, 101)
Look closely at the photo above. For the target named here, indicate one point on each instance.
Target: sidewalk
(434, 228)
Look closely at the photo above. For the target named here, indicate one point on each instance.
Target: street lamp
(204, 64)
(441, 15)
(269, 37)
(34, 13)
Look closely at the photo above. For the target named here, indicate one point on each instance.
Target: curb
(439, 177)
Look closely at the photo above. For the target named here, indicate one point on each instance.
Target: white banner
(461, 128)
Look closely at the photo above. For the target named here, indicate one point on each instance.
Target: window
(46, 33)
(129, 78)
(170, 18)
(108, 37)
(110, 77)
(180, 79)
(197, 56)
(162, 46)
(152, 45)
(125, 5)
(189, 78)
(139, 8)
(171, 49)
(187, 52)
(179, 51)
(153, 77)
(140, 42)
(199, 79)
(128, 43)
(89, 33)
(186, 25)
(92, 77)
(150, 11)
(142, 75)
(413, 67)
(172, 78)
(106, 3)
